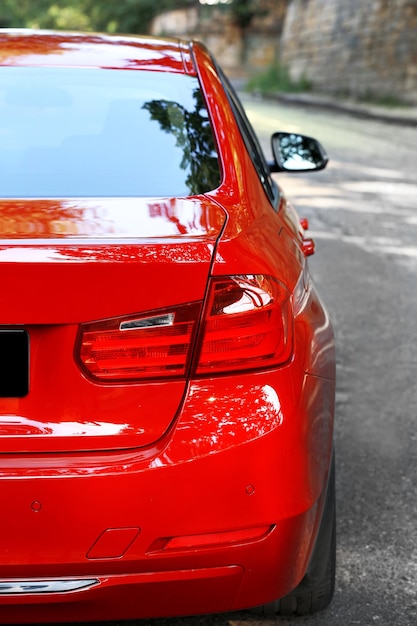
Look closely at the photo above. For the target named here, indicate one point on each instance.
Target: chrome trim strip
(166, 319)
(21, 587)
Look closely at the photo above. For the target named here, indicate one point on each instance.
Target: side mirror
(297, 153)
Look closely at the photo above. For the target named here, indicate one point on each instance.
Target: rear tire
(316, 589)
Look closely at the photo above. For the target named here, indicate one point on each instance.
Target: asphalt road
(363, 217)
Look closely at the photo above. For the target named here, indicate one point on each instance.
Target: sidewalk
(401, 116)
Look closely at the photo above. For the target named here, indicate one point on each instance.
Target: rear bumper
(246, 575)
(220, 515)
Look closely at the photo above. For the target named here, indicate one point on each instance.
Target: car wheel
(316, 589)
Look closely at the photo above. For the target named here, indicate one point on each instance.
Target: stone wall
(241, 53)
(357, 48)
(218, 34)
(353, 48)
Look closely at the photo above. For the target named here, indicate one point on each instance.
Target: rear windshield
(93, 132)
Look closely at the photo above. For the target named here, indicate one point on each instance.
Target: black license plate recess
(14, 363)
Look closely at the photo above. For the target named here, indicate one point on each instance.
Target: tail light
(246, 325)
(141, 346)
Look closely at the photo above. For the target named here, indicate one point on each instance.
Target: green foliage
(130, 16)
(125, 16)
(64, 18)
(19, 14)
(276, 78)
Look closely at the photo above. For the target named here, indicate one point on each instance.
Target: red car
(168, 371)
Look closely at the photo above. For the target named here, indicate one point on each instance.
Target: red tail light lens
(247, 324)
(139, 347)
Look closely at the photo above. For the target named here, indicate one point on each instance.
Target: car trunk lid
(69, 262)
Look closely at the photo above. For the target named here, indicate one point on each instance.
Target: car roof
(53, 48)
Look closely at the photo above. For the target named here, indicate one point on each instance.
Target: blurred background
(363, 216)
(352, 49)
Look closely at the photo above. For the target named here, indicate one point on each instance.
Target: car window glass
(87, 132)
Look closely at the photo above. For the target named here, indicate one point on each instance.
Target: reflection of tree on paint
(234, 418)
(192, 131)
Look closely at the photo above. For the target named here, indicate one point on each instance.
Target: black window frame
(251, 141)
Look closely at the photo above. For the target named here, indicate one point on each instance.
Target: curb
(406, 116)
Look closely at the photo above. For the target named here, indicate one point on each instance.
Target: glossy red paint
(37, 48)
(196, 494)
